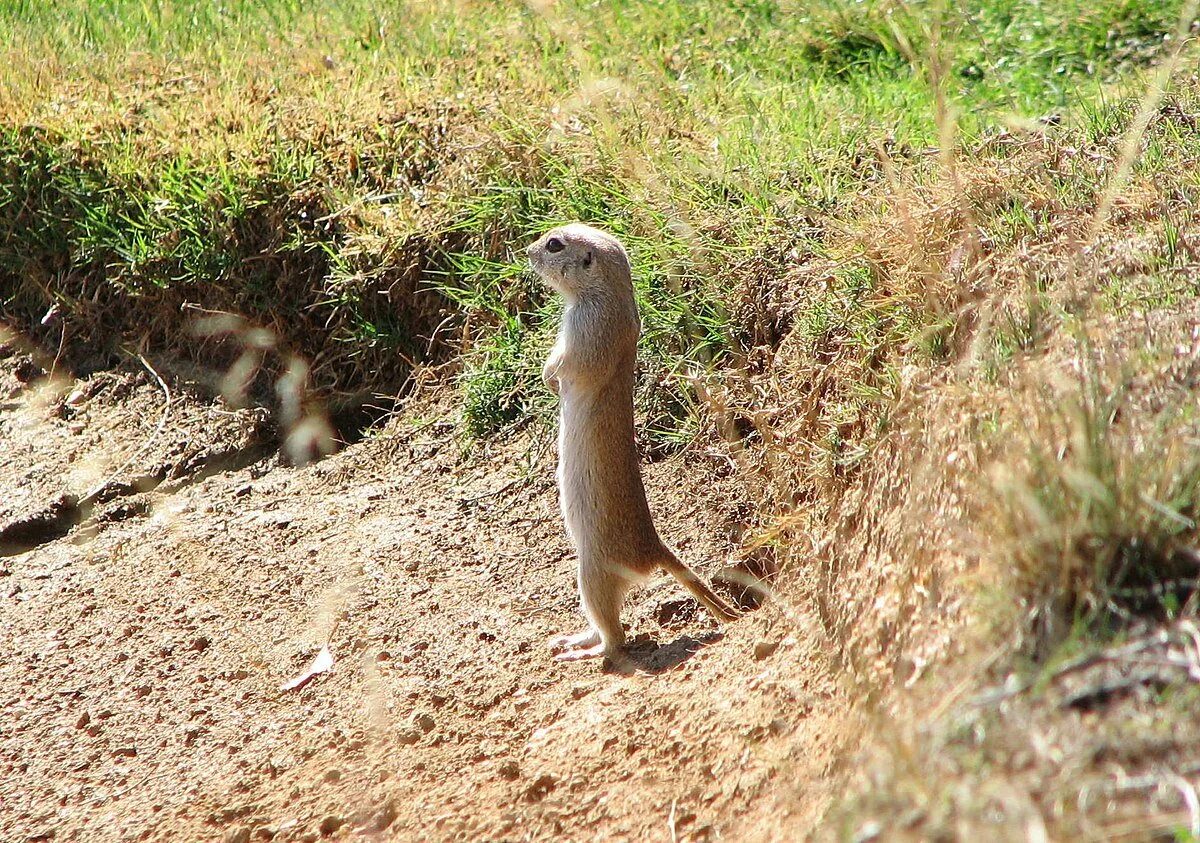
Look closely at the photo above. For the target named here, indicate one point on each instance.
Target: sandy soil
(163, 574)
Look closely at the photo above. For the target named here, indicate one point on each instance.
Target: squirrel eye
(554, 245)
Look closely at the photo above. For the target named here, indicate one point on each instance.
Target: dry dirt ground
(163, 573)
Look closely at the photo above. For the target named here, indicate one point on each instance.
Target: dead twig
(91, 496)
(1016, 687)
(493, 493)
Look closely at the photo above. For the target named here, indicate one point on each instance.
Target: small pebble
(541, 786)
(382, 818)
(763, 649)
(331, 824)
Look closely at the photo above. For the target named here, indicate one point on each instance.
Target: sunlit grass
(697, 131)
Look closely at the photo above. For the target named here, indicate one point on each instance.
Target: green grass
(697, 131)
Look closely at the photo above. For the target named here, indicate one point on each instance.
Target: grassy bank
(926, 269)
(354, 177)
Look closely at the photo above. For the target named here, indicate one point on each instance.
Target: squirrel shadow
(645, 655)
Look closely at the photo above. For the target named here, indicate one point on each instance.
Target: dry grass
(1018, 484)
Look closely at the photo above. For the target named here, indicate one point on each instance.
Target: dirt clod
(381, 818)
(331, 823)
(764, 649)
(26, 371)
(541, 787)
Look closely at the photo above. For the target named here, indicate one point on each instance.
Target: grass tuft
(1098, 513)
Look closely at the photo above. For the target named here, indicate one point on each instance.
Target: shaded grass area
(116, 252)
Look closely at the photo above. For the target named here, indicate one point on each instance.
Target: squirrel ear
(587, 260)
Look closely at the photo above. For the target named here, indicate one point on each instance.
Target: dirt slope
(147, 630)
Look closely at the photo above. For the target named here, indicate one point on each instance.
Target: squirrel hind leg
(593, 652)
(589, 637)
(602, 593)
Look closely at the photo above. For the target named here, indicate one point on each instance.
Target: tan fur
(603, 501)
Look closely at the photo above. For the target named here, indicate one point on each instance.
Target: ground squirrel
(600, 487)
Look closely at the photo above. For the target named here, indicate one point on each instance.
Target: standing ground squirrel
(600, 487)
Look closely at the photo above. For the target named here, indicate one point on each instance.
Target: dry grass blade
(91, 495)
